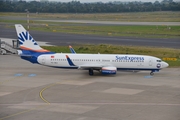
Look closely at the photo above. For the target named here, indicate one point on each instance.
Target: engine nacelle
(108, 70)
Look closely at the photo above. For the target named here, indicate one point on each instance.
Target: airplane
(104, 63)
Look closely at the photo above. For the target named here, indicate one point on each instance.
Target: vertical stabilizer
(26, 41)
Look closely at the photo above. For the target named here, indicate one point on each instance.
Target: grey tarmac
(114, 22)
(30, 92)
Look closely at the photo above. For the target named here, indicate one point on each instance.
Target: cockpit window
(158, 60)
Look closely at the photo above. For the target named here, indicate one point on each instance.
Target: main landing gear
(91, 72)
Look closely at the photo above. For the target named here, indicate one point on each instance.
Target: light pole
(27, 11)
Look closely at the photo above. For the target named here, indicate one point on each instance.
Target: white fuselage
(120, 61)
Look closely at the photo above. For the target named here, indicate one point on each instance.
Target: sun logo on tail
(25, 37)
(26, 41)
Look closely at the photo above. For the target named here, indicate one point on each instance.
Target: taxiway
(30, 91)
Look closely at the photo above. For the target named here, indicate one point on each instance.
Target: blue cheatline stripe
(69, 61)
(70, 67)
(18, 74)
(32, 75)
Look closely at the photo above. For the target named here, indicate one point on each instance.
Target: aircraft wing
(94, 66)
(108, 69)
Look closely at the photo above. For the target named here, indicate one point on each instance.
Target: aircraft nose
(165, 64)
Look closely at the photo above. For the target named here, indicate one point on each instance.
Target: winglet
(72, 50)
(69, 61)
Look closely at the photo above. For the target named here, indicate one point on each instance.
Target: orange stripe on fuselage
(40, 50)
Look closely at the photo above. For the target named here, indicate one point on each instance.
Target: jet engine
(108, 70)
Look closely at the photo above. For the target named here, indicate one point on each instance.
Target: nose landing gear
(152, 73)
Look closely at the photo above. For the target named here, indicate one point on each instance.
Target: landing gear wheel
(91, 72)
(151, 73)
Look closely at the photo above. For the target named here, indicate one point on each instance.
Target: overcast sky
(107, 0)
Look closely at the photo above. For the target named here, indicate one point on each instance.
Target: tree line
(98, 7)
